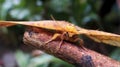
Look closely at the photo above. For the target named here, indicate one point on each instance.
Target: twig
(68, 52)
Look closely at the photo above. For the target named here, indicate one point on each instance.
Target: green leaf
(116, 54)
(22, 58)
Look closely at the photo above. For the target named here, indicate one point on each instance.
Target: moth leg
(73, 38)
(62, 38)
(80, 42)
(53, 38)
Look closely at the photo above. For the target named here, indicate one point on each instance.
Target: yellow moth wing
(104, 37)
(47, 24)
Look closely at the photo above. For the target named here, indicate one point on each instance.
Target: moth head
(71, 28)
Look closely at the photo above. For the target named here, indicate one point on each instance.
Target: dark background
(92, 14)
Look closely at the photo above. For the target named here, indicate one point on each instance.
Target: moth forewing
(47, 24)
(112, 40)
(5, 24)
(104, 37)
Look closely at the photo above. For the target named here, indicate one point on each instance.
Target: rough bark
(69, 52)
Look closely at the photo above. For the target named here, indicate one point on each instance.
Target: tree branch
(68, 52)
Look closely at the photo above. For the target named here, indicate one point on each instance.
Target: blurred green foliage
(83, 13)
(44, 60)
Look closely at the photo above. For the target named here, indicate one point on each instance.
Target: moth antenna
(52, 17)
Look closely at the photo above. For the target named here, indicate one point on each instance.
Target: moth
(71, 29)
